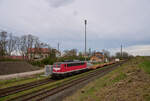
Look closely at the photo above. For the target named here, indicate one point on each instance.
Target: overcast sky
(110, 23)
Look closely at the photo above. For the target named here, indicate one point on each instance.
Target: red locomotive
(61, 69)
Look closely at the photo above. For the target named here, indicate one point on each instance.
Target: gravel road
(24, 74)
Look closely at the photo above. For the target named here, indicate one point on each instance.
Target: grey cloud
(110, 23)
(75, 13)
(142, 50)
(59, 3)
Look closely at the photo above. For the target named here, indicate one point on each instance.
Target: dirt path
(24, 74)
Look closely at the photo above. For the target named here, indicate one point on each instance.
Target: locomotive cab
(61, 69)
(57, 67)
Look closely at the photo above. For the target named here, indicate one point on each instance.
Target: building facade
(97, 57)
(38, 53)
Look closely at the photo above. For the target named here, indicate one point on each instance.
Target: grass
(98, 84)
(128, 83)
(18, 81)
(120, 76)
(146, 65)
(101, 87)
(49, 86)
(30, 90)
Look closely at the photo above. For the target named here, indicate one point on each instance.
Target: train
(63, 69)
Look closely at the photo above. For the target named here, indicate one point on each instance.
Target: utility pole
(58, 46)
(103, 55)
(85, 22)
(121, 51)
(59, 52)
(89, 51)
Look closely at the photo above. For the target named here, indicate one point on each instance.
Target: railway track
(54, 89)
(15, 89)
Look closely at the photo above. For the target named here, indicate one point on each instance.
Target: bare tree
(18, 45)
(30, 44)
(3, 42)
(123, 55)
(106, 53)
(27, 42)
(11, 44)
(38, 47)
(23, 47)
(80, 54)
(72, 52)
(26, 45)
(118, 55)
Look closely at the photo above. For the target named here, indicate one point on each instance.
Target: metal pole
(121, 51)
(85, 21)
(59, 51)
(58, 46)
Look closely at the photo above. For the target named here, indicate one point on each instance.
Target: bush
(42, 63)
(36, 63)
(48, 61)
(52, 60)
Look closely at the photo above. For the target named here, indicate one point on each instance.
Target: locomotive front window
(57, 65)
(65, 65)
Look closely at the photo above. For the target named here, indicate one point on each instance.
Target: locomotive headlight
(56, 69)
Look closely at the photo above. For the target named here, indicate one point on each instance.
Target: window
(69, 65)
(65, 65)
(57, 65)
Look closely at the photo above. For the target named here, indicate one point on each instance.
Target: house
(57, 53)
(38, 53)
(97, 57)
(41, 53)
